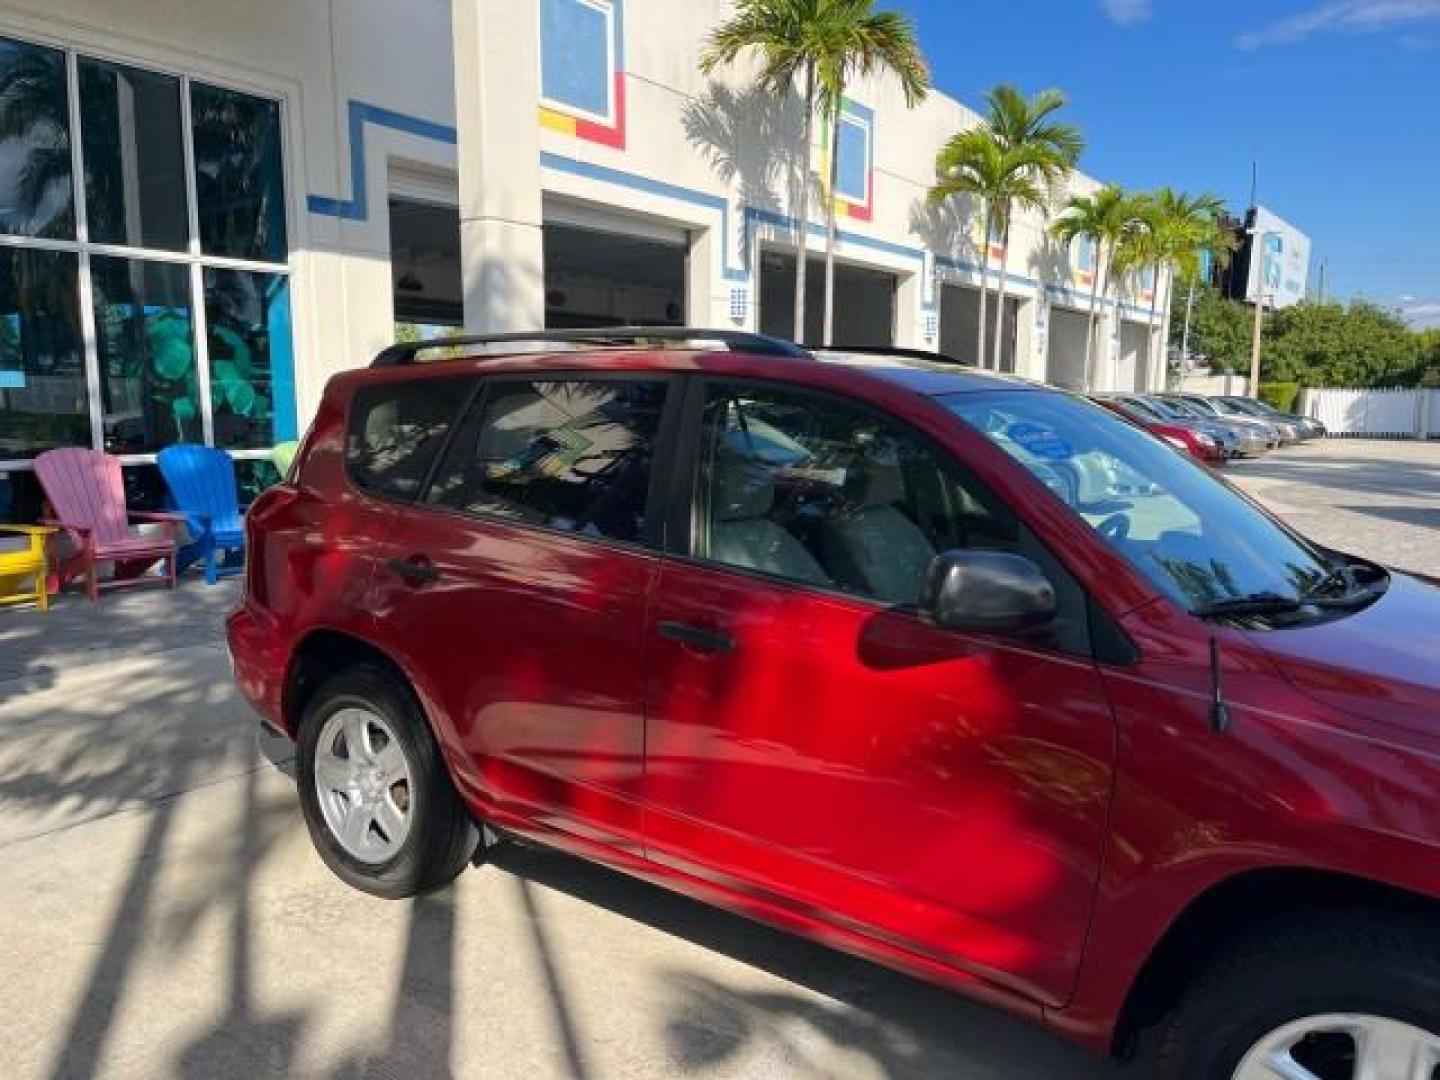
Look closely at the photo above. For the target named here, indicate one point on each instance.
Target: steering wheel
(1116, 527)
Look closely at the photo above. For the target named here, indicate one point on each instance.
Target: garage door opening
(601, 278)
(1065, 362)
(425, 266)
(864, 301)
(1134, 373)
(959, 325)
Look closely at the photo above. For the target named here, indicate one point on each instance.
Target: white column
(497, 99)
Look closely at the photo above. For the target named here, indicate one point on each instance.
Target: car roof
(824, 367)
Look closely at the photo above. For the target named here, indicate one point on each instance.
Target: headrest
(875, 484)
(743, 489)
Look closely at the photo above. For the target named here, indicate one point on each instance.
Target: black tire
(1376, 963)
(442, 836)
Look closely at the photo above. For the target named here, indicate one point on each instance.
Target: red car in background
(959, 673)
(1197, 444)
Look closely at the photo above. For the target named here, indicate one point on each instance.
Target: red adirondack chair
(86, 498)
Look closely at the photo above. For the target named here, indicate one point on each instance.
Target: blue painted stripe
(356, 208)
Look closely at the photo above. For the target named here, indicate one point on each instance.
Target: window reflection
(248, 320)
(35, 189)
(238, 174)
(43, 398)
(134, 156)
(144, 334)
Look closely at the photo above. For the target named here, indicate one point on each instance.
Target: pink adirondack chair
(86, 498)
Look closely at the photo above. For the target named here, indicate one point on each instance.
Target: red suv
(963, 674)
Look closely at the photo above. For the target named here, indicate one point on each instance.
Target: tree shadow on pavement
(904, 1027)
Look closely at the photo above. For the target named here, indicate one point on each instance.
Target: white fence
(1378, 414)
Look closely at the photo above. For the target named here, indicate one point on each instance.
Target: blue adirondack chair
(202, 483)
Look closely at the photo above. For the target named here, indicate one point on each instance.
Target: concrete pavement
(166, 916)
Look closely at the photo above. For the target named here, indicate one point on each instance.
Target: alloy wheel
(363, 785)
(1344, 1046)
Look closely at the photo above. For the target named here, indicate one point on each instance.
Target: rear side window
(396, 431)
(567, 454)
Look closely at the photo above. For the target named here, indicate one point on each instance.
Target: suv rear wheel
(1338, 998)
(378, 801)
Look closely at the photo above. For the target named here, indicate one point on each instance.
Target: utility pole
(1255, 344)
(1322, 281)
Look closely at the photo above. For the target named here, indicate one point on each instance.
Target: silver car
(1200, 406)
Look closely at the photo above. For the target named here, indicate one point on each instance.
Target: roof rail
(893, 350)
(734, 340)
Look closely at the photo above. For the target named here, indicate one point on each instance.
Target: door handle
(697, 637)
(416, 570)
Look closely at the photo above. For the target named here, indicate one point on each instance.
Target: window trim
(191, 255)
(656, 495)
(687, 510)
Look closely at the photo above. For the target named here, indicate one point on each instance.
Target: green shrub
(1282, 395)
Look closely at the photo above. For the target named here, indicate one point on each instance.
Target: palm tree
(1105, 219)
(822, 44)
(1013, 162)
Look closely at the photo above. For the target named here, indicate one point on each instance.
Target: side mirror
(987, 590)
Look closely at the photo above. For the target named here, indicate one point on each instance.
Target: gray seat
(742, 494)
(873, 547)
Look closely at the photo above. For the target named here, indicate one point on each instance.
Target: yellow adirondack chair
(23, 573)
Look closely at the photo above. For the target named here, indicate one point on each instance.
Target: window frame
(190, 255)
(653, 537)
(686, 509)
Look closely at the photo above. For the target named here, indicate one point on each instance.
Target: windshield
(1172, 519)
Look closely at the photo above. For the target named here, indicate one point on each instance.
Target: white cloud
(1420, 314)
(1354, 16)
(1126, 12)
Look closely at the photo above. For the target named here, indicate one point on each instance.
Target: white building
(211, 207)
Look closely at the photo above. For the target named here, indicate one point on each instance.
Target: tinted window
(35, 189)
(567, 454)
(823, 493)
(134, 157)
(44, 402)
(144, 334)
(247, 315)
(396, 431)
(238, 175)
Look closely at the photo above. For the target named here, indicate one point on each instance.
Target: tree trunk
(1094, 323)
(803, 211)
(984, 286)
(830, 229)
(1150, 326)
(999, 345)
(1185, 334)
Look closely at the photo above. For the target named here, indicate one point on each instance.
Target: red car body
(1041, 831)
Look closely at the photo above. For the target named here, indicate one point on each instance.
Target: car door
(518, 584)
(810, 736)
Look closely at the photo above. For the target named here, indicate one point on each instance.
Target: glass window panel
(36, 195)
(396, 431)
(134, 157)
(572, 455)
(247, 317)
(44, 402)
(238, 174)
(145, 337)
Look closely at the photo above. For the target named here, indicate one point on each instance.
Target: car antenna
(1219, 710)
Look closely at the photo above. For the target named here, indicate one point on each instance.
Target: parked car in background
(963, 674)
(1250, 440)
(1201, 445)
(1310, 428)
(1222, 433)
(1198, 407)
(1291, 430)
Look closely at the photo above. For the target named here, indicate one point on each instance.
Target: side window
(819, 492)
(396, 431)
(568, 454)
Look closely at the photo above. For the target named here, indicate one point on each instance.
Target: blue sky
(1337, 99)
